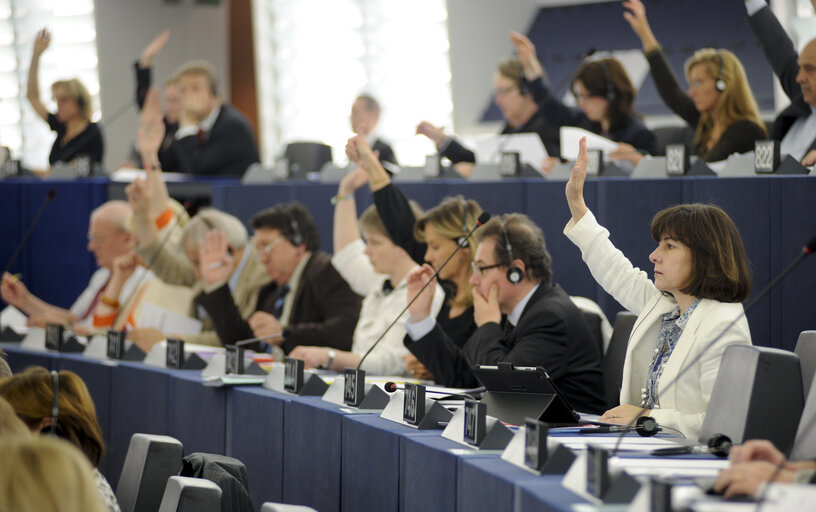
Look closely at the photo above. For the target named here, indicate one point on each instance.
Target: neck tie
(277, 309)
(508, 328)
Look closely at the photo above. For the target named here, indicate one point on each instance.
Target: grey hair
(196, 230)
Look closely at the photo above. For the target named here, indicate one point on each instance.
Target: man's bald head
(109, 235)
(806, 78)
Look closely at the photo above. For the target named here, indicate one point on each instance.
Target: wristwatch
(332, 354)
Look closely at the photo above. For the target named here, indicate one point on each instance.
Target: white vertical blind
(72, 54)
(315, 56)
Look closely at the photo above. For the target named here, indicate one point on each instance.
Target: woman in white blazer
(700, 279)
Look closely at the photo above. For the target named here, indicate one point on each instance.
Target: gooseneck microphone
(248, 341)
(483, 218)
(48, 197)
(467, 394)
(808, 249)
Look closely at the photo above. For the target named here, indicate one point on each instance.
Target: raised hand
(432, 132)
(41, 41)
(153, 49)
(151, 130)
(415, 280)
(486, 309)
(635, 15)
(352, 181)
(527, 55)
(575, 185)
(215, 261)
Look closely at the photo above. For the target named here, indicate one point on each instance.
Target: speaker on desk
(757, 395)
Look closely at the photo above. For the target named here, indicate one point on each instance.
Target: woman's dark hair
(720, 268)
(608, 79)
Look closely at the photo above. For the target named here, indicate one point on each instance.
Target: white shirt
(99, 278)
(515, 315)
(205, 125)
(378, 311)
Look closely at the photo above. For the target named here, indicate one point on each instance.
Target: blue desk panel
(312, 453)
(372, 460)
(254, 435)
(198, 413)
(488, 484)
(545, 494)
(19, 358)
(429, 470)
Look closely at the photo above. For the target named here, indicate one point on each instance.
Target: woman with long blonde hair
(719, 105)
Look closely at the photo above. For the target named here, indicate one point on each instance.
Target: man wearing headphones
(521, 316)
(307, 302)
(213, 137)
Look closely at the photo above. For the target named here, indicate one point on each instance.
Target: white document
(529, 146)
(15, 319)
(166, 321)
(571, 136)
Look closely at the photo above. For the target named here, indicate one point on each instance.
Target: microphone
(808, 249)
(645, 426)
(483, 218)
(468, 394)
(48, 197)
(248, 341)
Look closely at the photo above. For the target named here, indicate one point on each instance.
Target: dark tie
(387, 287)
(277, 309)
(508, 329)
(202, 136)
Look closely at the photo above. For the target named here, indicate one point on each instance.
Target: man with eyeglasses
(522, 316)
(306, 302)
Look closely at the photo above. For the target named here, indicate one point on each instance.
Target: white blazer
(683, 406)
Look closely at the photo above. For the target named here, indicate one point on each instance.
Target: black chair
(185, 494)
(228, 473)
(150, 461)
(666, 135)
(806, 350)
(306, 157)
(615, 356)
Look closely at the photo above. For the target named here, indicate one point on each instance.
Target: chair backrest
(150, 461)
(306, 157)
(280, 507)
(228, 473)
(804, 447)
(757, 395)
(187, 494)
(806, 350)
(596, 319)
(615, 355)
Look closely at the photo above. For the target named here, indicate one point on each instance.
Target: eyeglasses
(266, 249)
(481, 269)
(504, 91)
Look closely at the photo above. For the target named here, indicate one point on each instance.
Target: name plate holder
(177, 358)
(295, 380)
(471, 427)
(601, 483)
(554, 458)
(234, 363)
(433, 166)
(510, 164)
(353, 391)
(413, 408)
(57, 339)
(767, 160)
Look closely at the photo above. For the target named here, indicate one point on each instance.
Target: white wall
(124, 27)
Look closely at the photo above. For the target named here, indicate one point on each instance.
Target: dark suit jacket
(551, 333)
(324, 312)
(387, 155)
(631, 130)
(227, 150)
(781, 55)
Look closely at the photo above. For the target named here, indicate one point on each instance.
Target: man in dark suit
(541, 326)
(213, 138)
(795, 126)
(365, 116)
(306, 302)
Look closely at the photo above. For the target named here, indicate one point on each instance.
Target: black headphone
(463, 241)
(611, 95)
(719, 445)
(646, 426)
(55, 403)
(719, 83)
(514, 274)
(296, 238)
(80, 101)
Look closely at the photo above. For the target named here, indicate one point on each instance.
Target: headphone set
(296, 237)
(463, 241)
(610, 95)
(514, 273)
(719, 83)
(55, 403)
